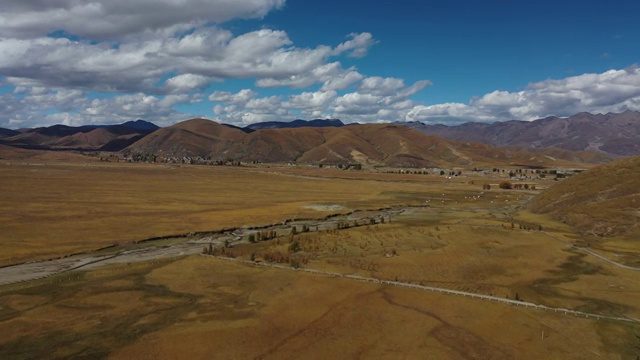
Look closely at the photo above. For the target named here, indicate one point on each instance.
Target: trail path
(43, 269)
(605, 259)
(435, 289)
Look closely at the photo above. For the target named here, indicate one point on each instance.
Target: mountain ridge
(86, 137)
(616, 134)
(367, 144)
(582, 138)
(295, 124)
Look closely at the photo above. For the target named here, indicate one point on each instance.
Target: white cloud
(241, 117)
(310, 100)
(377, 99)
(357, 47)
(380, 86)
(145, 57)
(446, 113)
(332, 75)
(357, 104)
(171, 100)
(265, 105)
(108, 19)
(74, 108)
(394, 87)
(155, 52)
(241, 97)
(611, 91)
(186, 82)
(342, 80)
(209, 53)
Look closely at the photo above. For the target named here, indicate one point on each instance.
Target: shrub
(294, 247)
(506, 185)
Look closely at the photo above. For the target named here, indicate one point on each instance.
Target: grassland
(459, 237)
(56, 209)
(602, 201)
(199, 308)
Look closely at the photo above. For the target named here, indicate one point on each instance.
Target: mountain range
(88, 137)
(367, 144)
(613, 134)
(294, 124)
(580, 138)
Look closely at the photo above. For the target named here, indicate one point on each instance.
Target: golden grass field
(200, 307)
(57, 209)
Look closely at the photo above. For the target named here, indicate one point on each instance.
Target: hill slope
(8, 132)
(369, 145)
(614, 134)
(13, 153)
(604, 200)
(100, 137)
(195, 137)
(295, 124)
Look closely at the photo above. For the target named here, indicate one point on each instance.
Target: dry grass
(201, 307)
(57, 209)
(472, 251)
(602, 201)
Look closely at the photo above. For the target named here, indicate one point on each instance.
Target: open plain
(423, 231)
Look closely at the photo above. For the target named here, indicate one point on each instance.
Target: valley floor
(359, 293)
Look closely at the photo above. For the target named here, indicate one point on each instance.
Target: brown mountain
(604, 200)
(369, 145)
(614, 134)
(61, 137)
(8, 133)
(294, 124)
(195, 137)
(97, 139)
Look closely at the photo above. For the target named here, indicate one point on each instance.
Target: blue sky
(110, 61)
(469, 48)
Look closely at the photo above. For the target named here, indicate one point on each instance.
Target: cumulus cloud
(390, 86)
(78, 62)
(331, 75)
(380, 86)
(378, 99)
(209, 53)
(245, 108)
(74, 108)
(387, 99)
(186, 82)
(128, 47)
(357, 47)
(265, 105)
(256, 110)
(241, 97)
(446, 113)
(108, 19)
(311, 100)
(611, 91)
(161, 49)
(342, 80)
